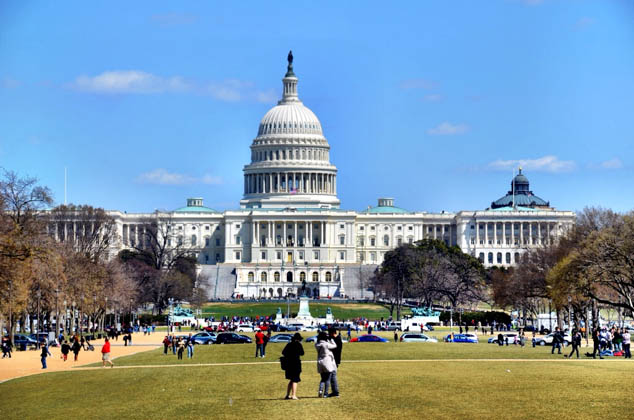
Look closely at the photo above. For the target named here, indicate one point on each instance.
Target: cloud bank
(161, 176)
(548, 163)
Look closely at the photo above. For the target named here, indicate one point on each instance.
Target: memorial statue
(289, 69)
(290, 57)
(329, 311)
(425, 312)
(303, 281)
(279, 311)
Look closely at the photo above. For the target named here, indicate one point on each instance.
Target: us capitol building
(291, 231)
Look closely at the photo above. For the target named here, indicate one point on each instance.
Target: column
(539, 233)
(286, 182)
(295, 239)
(284, 237)
(477, 226)
(309, 233)
(495, 233)
(513, 234)
(548, 232)
(521, 233)
(254, 235)
(504, 233)
(271, 239)
(322, 236)
(486, 233)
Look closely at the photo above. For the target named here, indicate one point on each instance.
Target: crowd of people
(178, 345)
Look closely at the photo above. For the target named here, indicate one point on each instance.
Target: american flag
(293, 190)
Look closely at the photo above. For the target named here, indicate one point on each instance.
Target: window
(360, 256)
(373, 256)
(300, 255)
(276, 276)
(386, 240)
(490, 258)
(263, 255)
(372, 227)
(410, 240)
(315, 276)
(328, 276)
(207, 241)
(217, 242)
(180, 240)
(472, 227)
(169, 241)
(517, 257)
(481, 257)
(237, 255)
(316, 255)
(499, 258)
(342, 255)
(193, 227)
(251, 276)
(218, 227)
(360, 241)
(386, 228)
(237, 226)
(194, 240)
(410, 228)
(278, 240)
(508, 257)
(400, 228)
(180, 228)
(399, 241)
(217, 257)
(372, 241)
(342, 239)
(238, 240)
(278, 255)
(302, 276)
(361, 228)
(279, 226)
(263, 277)
(207, 227)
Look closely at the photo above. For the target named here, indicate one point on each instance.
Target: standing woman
(293, 365)
(325, 362)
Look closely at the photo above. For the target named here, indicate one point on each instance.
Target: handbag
(283, 362)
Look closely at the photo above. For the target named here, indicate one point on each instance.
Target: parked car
(461, 338)
(511, 337)
(44, 336)
(294, 327)
(204, 338)
(548, 340)
(277, 328)
(429, 327)
(393, 326)
(244, 328)
(369, 338)
(417, 338)
(23, 341)
(231, 338)
(281, 338)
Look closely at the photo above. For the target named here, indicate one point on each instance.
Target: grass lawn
(377, 381)
(318, 309)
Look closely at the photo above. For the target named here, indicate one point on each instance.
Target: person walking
(190, 347)
(65, 350)
(557, 340)
(395, 336)
(325, 362)
(349, 332)
(625, 336)
(45, 353)
(293, 365)
(181, 347)
(76, 348)
(596, 343)
(336, 338)
(576, 343)
(267, 337)
(105, 353)
(259, 344)
(166, 344)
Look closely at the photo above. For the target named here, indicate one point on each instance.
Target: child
(65, 350)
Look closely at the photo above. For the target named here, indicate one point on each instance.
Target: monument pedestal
(303, 315)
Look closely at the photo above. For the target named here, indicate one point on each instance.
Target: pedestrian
(500, 339)
(125, 340)
(534, 340)
(395, 336)
(325, 362)
(267, 337)
(83, 343)
(6, 350)
(576, 343)
(596, 343)
(105, 353)
(349, 332)
(625, 335)
(181, 347)
(190, 347)
(259, 344)
(45, 354)
(174, 344)
(293, 365)
(76, 347)
(65, 350)
(557, 341)
(166, 344)
(336, 338)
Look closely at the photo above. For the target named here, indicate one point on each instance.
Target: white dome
(290, 118)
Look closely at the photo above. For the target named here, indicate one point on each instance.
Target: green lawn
(341, 311)
(374, 384)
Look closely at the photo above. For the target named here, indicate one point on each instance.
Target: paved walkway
(25, 363)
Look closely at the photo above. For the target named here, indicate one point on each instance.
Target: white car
(548, 340)
(417, 338)
(245, 328)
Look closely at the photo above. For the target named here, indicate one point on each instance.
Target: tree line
(58, 260)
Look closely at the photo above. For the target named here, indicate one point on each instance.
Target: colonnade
(290, 183)
(301, 233)
(518, 233)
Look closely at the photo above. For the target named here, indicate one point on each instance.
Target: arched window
(193, 240)
(386, 240)
(481, 257)
(251, 276)
(517, 257)
(372, 241)
(490, 258)
(263, 277)
(328, 276)
(499, 258)
(508, 257)
(289, 277)
(276, 276)
(315, 276)
(302, 276)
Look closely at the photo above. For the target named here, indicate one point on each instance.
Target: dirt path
(25, 363)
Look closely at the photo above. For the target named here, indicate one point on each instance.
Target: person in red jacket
(259, 343)
(105, 353)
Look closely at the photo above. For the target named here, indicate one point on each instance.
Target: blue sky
(430, 102)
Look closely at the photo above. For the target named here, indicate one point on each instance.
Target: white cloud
(129, 81)
(448, 129)
(163, 177)
(140, 82)
(615, 163)
(434, 97)
(418, 84)
(547, 163)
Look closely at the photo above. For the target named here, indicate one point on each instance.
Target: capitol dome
(290, 157)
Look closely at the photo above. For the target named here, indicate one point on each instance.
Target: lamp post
(37, 331)
(66, 327)
(105, 315)
(570, 314)
(94, 312)
(130, 307)
(169, 317)
(73, 326)
(57, 313)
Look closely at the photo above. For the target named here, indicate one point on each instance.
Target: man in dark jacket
(336, 337)
(596, 342)
(558, 339)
